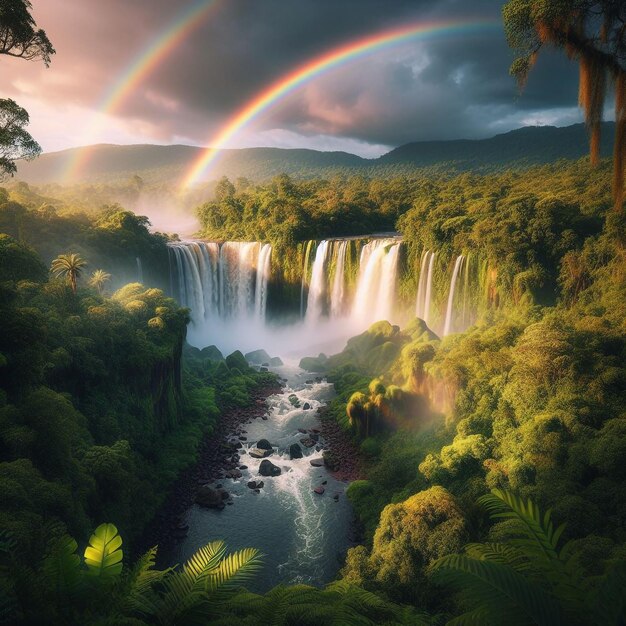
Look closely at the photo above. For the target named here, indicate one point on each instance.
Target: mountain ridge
(521, 147)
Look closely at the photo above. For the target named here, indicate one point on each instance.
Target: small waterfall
(455, 273)
(305, 271)
(421, 286)
(429, 287)
(337, 295)
(376, 283)
(139, 270)
(262, 281)
(317, 288)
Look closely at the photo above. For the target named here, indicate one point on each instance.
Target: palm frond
(499, 553)
(237, 567)
(544, 538)
(61, 567)
(608, 600)
(503, 592)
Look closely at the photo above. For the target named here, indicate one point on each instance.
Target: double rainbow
(367, 45)
(145, 62)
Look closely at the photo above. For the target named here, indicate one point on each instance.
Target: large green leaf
(103, 555)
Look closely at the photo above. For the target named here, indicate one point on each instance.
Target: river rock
(258, 453)
(316, 462)
(295, 451)
(319, 490)
(211, 498)
(304, 431)
(263, 444)
(258, 356)
(276, 361)
(234, 473)
(306, 406)
(267, 468)
(307, 442)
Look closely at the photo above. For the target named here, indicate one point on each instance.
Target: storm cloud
(444, 88)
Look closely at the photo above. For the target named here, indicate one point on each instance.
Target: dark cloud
(444, 88)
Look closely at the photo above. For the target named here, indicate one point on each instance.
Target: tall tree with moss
(19, 38)
(593, 32)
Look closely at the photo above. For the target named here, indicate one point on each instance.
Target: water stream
(302, 535)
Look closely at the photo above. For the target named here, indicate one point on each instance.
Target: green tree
(594, 33)
(19, 38)
(69, 266)
(15, 142)
(98, 280)
(19, 35)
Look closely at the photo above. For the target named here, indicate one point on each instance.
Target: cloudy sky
(445, 88)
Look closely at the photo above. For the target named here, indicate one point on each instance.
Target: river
(302, 535)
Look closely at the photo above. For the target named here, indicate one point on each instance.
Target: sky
(446, 88)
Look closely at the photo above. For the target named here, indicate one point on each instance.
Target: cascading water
(139, 270)
(227, 288)
(376, 283)
(448, 322)
(337, 298)
(262, 282)
(421, 287)
(429, 287)
(305, 271)
(317, 288)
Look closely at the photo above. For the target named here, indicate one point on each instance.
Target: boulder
(267, 468)
(211, 353)
(316, 462)
(314, 364)
(319, 490)
(211, 498)
(293, 398)
(307, 442)
(276, 361)
(264, 444)
(295, 451)
(258, 357)
(306, 406)
(258, 453)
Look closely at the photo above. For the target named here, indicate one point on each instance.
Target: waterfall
(227, 287)
(305, 270)
(139, 270)
(421, 286)
(455, 273)
(429, 287)
(262, 281)
(317, 288)
(337, 295)
(376, 283)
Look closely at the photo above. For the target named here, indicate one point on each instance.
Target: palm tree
(529, 579)
(69, 266)
(98, 278)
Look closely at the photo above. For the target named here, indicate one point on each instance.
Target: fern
(503, 592)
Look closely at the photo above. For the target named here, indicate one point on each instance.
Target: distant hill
(167, 164)
(530, 145)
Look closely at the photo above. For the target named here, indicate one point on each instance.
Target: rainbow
(353, 50)
(144, 63)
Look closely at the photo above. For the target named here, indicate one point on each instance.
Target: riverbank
(341, 450)
(215, 457)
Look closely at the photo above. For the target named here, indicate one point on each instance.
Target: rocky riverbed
(265, 482)
(215, 457)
